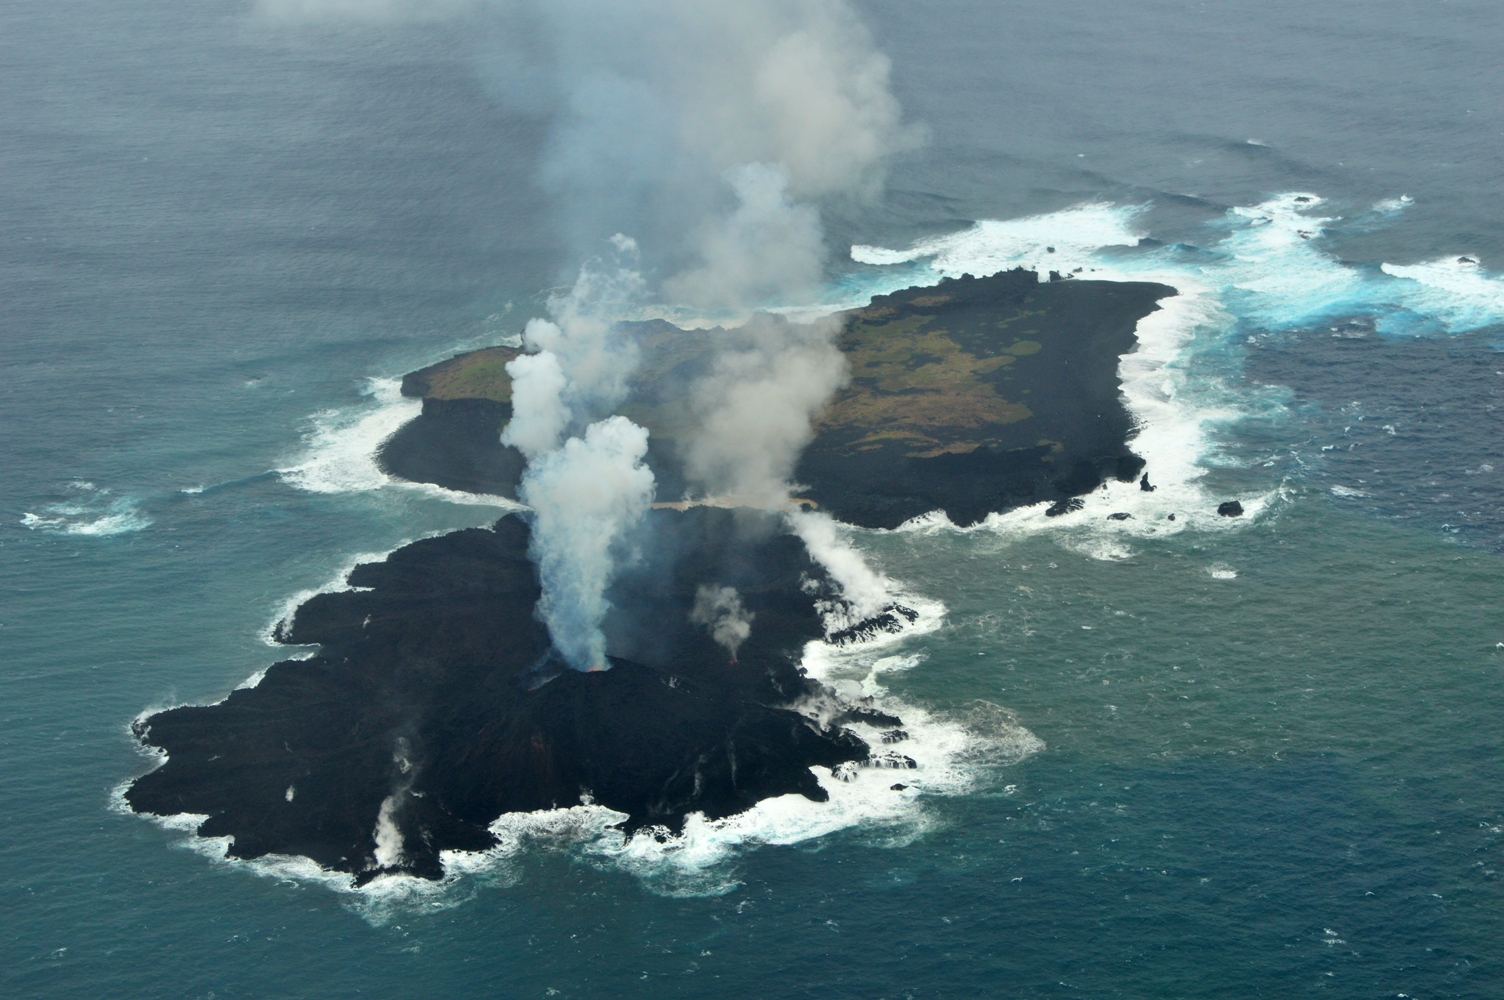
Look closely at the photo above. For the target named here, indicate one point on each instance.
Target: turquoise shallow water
(1271, 748)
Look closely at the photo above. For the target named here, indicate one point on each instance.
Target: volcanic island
(434, 704)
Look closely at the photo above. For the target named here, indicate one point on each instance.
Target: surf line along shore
(435, 704)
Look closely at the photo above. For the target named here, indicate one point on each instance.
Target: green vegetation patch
(913, 382)
(477, 375)
(928, 371)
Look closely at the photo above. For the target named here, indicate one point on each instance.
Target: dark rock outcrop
(1065, 506)
(434, 700)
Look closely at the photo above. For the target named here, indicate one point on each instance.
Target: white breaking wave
(1057, 241)
(1273, 253)
(1455, 290)
(89, 511)
(951, 753)
(341, 449)
(1286, 277)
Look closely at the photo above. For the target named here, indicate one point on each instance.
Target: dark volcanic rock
(1022, 404)
(1230, 508)
(457, 444)
(1064, 506)
(890, 620)
(972, 396)
(434, 691)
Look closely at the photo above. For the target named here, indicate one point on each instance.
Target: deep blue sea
(1260, 757)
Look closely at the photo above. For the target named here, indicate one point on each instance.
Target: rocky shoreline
(434, 706)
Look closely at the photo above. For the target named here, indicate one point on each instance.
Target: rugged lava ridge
(433, 693)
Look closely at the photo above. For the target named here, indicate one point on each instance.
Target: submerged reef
(434, 704)
(973, 396)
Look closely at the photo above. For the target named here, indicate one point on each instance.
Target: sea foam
(952, 753)
(1457, 291)
(89, 511)
(341, 448)
(1058, 241)
(1264, 267)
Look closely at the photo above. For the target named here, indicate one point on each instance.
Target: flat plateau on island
(972, 396)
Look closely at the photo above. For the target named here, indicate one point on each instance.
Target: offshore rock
(1068, 506)
(1230, 508)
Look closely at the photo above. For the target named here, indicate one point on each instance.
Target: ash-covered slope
(433, 707)
(971, 396)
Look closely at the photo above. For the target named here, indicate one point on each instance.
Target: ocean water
(1191, 758)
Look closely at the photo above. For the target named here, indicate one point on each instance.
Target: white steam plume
(539, 415)
(584, 495)
(386, 834)
(653, 102)
(595, 360)
(711, 129)
(720, 610)
(757, 405)
(756, 411)
(589, 491)
(769, 249)
(866, 591)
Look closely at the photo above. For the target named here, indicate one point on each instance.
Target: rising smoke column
(671, 107)
(711, 129)
(657, 109)
(585, 496)
(589, 491)
(756, 411)
(720, 611)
